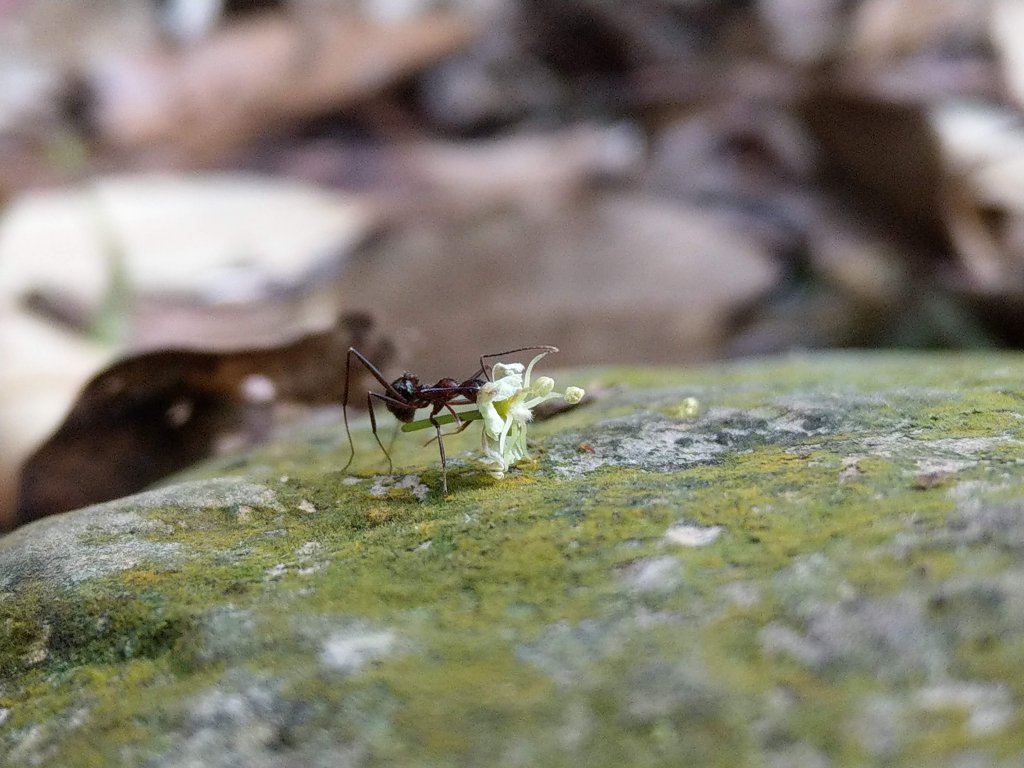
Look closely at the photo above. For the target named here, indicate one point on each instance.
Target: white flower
(506, 406)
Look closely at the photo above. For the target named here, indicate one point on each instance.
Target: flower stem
(443, 419)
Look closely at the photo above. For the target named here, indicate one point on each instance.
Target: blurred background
(659, 181)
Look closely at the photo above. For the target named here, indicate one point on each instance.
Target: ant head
(407, 385)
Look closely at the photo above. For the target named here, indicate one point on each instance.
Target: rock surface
(823, 567)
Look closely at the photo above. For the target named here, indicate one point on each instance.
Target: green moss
(521, 637)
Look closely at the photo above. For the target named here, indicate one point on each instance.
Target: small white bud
(573, 395)
(542, 386)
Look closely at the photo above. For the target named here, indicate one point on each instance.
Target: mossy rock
(821, 567)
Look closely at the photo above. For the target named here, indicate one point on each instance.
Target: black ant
(405, 395)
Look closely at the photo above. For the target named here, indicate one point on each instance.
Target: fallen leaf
(194, 105)
(1006, 25)
(888, 29)
(156, 413)
(539, 170)
(619, 276)
(186, 252)
(42, 367)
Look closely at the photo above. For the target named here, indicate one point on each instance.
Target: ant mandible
(405, 395)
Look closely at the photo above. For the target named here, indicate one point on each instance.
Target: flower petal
(501, 370)
(500, 389)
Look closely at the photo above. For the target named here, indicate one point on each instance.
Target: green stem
(445, 418)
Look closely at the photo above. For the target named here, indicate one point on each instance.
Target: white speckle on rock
(649, 444)
(658, 574)
(4, 714)
(351, 481)
(306, 555)
(955, 453)
(82, 545)
(741, 593)
(989, 708)
(851, 469)
(241, 722)
(777, 638)
(419, 490)
(941, 467)
(245, 514)
(349, 651)
(214, 493)
(31, 748)
(383, 483)
(308, 549)
(40, 649)
(276, 571)
(686, 535)
(798, 755)
(306, 506)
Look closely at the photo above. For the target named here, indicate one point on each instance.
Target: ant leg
(459, 431)
(373, 427)
(344, 411)
(344, 399)
(455, 414)
(444, 461)
(394, 436)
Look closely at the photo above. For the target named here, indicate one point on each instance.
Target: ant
(405, 395)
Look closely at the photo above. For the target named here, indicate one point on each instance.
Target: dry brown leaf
(227, 258)
(197, 104)
(1007, 33)
(156, 413)
(538, 170)
(983, 151)
(887, 29)
(805, 31)
(615, 278)
(42, 367)
(886, 153)
(914, 52)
